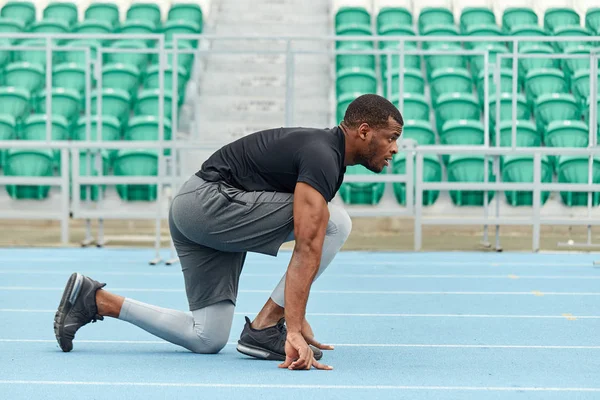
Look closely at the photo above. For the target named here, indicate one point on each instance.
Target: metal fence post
(418, 241)
(537, 173)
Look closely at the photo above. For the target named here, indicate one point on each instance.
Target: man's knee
(340, 223)
(209, 342)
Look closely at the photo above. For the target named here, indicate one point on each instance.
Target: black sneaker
(268, 343)
(77, 308)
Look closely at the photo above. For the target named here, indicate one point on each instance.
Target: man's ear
(363, 130)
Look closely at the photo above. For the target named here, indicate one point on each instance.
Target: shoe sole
(70, 294)
(265, 354)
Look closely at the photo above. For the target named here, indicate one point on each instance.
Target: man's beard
(368, 157)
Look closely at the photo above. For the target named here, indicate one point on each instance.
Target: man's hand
(309, 336)
(299, 355)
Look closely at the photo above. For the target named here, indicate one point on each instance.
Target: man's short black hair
(373, 110)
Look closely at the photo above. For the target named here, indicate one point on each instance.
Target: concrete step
(267, 18)
(270, 45)
(223, 105)
(272, 29)
(269, 63)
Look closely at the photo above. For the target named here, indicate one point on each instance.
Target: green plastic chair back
(469, 168)
(151, 79)
(147, 103)
(361, 192)
(100, 11)
(115, 102)
(450, 60)
(544, 81)
(557, 17)
(586, 111)
(92, 26)
(183, 60)
(34, 127)
(434, 16)
(555, 107)
(137, 27)
(518, 16)
(471, 16)
(494, 49)
(462, 132)
(506, 99)
(23, 11)
(121, 76)
(452, 106)
(529, 30)
(110, 130)
(418, 130)
(175, 27)
(186, 11)
(33, 56)
(567, 134)
(450, 80)
(136, 163)
(354, 30)
(78, 56)
(392, 17)
(92, 159)
(571, 31)
(527, 134)
(49, 26)
(11, 25)
(14, 101)
(356, 80)
(581, 84)
(413, 82)
(353, 60)
(140, 60)
(28, 162)
(24, 75)
(352, 16)
(8, 131)
(506, 83)
(5, 55)
(519, 168)
(572, 65)
(439, 30)
(528, 64)
(482, 30)
(146, 127)
(65, 102)
(574, 169)
(61, 11)
(415, 106)
(592, 19)
(432, 172)
(410, 61)
(144, 12)
(70, 76)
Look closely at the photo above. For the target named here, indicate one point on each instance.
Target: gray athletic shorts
(214, 225)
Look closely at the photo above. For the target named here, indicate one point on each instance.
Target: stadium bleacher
(443, 100)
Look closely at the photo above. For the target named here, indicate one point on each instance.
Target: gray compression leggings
(207, 330)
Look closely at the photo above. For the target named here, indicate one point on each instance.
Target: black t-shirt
(275, 159)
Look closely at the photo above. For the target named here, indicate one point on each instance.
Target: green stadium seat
(148, 101)
(557, 17)
(101, 11)
(110, 131)
(439, 30)
(519, 169)
(34, 56)
(455, 60)
(518, 16)
(580, 84)
(121, 76)
(493, 49)
(353, 60)
(434, 16)
(357, 16)
(61, 11)
(137, 27)
(137, 163)
(528, 64)
(574, 169)
(555, 107)
(14, 101)
(93, 171)
(544, 81)
(571, 65)
(140, 60)
(78, 56)
(144, 12)
(356, 80)
(413, 82)
(115, 102)
(183, 60)
(571, 31)
(34, 128)
(361, 192)
(506, 83)
(151, 80)
(11, 26)
(471, 16)
(592, 19)
(506, 99)
(28, 162)
(393, 17)
(567, 133)
(410, 60)
(5, 55)
(454, 106)
(187, 12)
(418, 130)
(449, 80)
(180, 27)
(469, 168)
(65, 102)
(71, 76)
(23, 11)
(528, 30)
(482, 30)
(415, 105)
(432, 172)
(8, 131)
(343, 102)
(461, 132)
(586, 108)
(24, 75)
(527, 134)
(146, 127)
(49, 26)
(91, 26)
(354, 30)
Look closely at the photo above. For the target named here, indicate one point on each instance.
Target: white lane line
(297, 386)
(377, 345)
(370, 315)
(376, 292)
(29, 272)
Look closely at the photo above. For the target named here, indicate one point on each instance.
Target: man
(253, 195)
